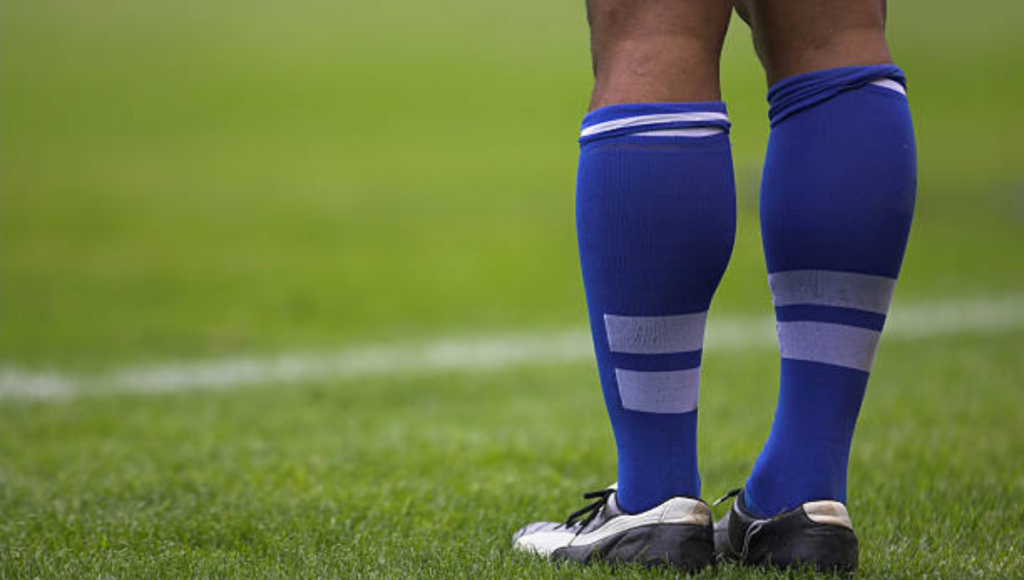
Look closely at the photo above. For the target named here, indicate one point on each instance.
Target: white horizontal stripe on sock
(835, 344)
(684, 132)
(891, 85)
(655, 334)
(832, 288)
(660, 392)
(662, 118)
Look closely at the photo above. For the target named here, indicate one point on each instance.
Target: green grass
(204, 179)
(429, 477)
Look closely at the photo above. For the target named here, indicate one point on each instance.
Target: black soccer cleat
(816, 534)
(676, 533)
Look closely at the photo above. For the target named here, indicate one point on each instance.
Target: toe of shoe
(541, 537)
(534, 528)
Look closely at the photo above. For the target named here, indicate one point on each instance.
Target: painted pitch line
(472, 354)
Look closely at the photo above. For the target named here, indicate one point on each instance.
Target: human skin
(668, 51)
(799, 36)
(656, 51)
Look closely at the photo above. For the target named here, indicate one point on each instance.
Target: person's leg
(655, 220)
(836, 204)
(656, 51)
(801, 36)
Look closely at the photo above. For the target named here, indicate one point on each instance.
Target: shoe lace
(751, 531)
(731, 494)
(588, 513)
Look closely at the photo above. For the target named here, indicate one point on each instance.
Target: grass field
(186, 183)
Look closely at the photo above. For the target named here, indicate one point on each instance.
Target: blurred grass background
(194, 180)
(209, 177)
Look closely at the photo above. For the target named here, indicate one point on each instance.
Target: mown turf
(428, 477)
(198, 179)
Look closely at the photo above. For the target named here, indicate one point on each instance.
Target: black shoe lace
(587, 514)
(732, 493)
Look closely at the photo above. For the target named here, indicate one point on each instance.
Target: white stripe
(891, 85)
(655, 334)
(15, 382)
(684, 132)
(677, 510)
(651, 120)
(832, 288)
(834, 344)
(661, 392)
(472, 354)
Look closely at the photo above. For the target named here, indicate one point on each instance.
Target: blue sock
(656, 216)
(836, 204)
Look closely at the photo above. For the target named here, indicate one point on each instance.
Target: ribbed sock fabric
(836, 204)
(656, 217)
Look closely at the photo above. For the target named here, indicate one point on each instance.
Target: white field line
(472, 354)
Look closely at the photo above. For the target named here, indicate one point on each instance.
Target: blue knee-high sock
(656, 216)
(836, 204)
